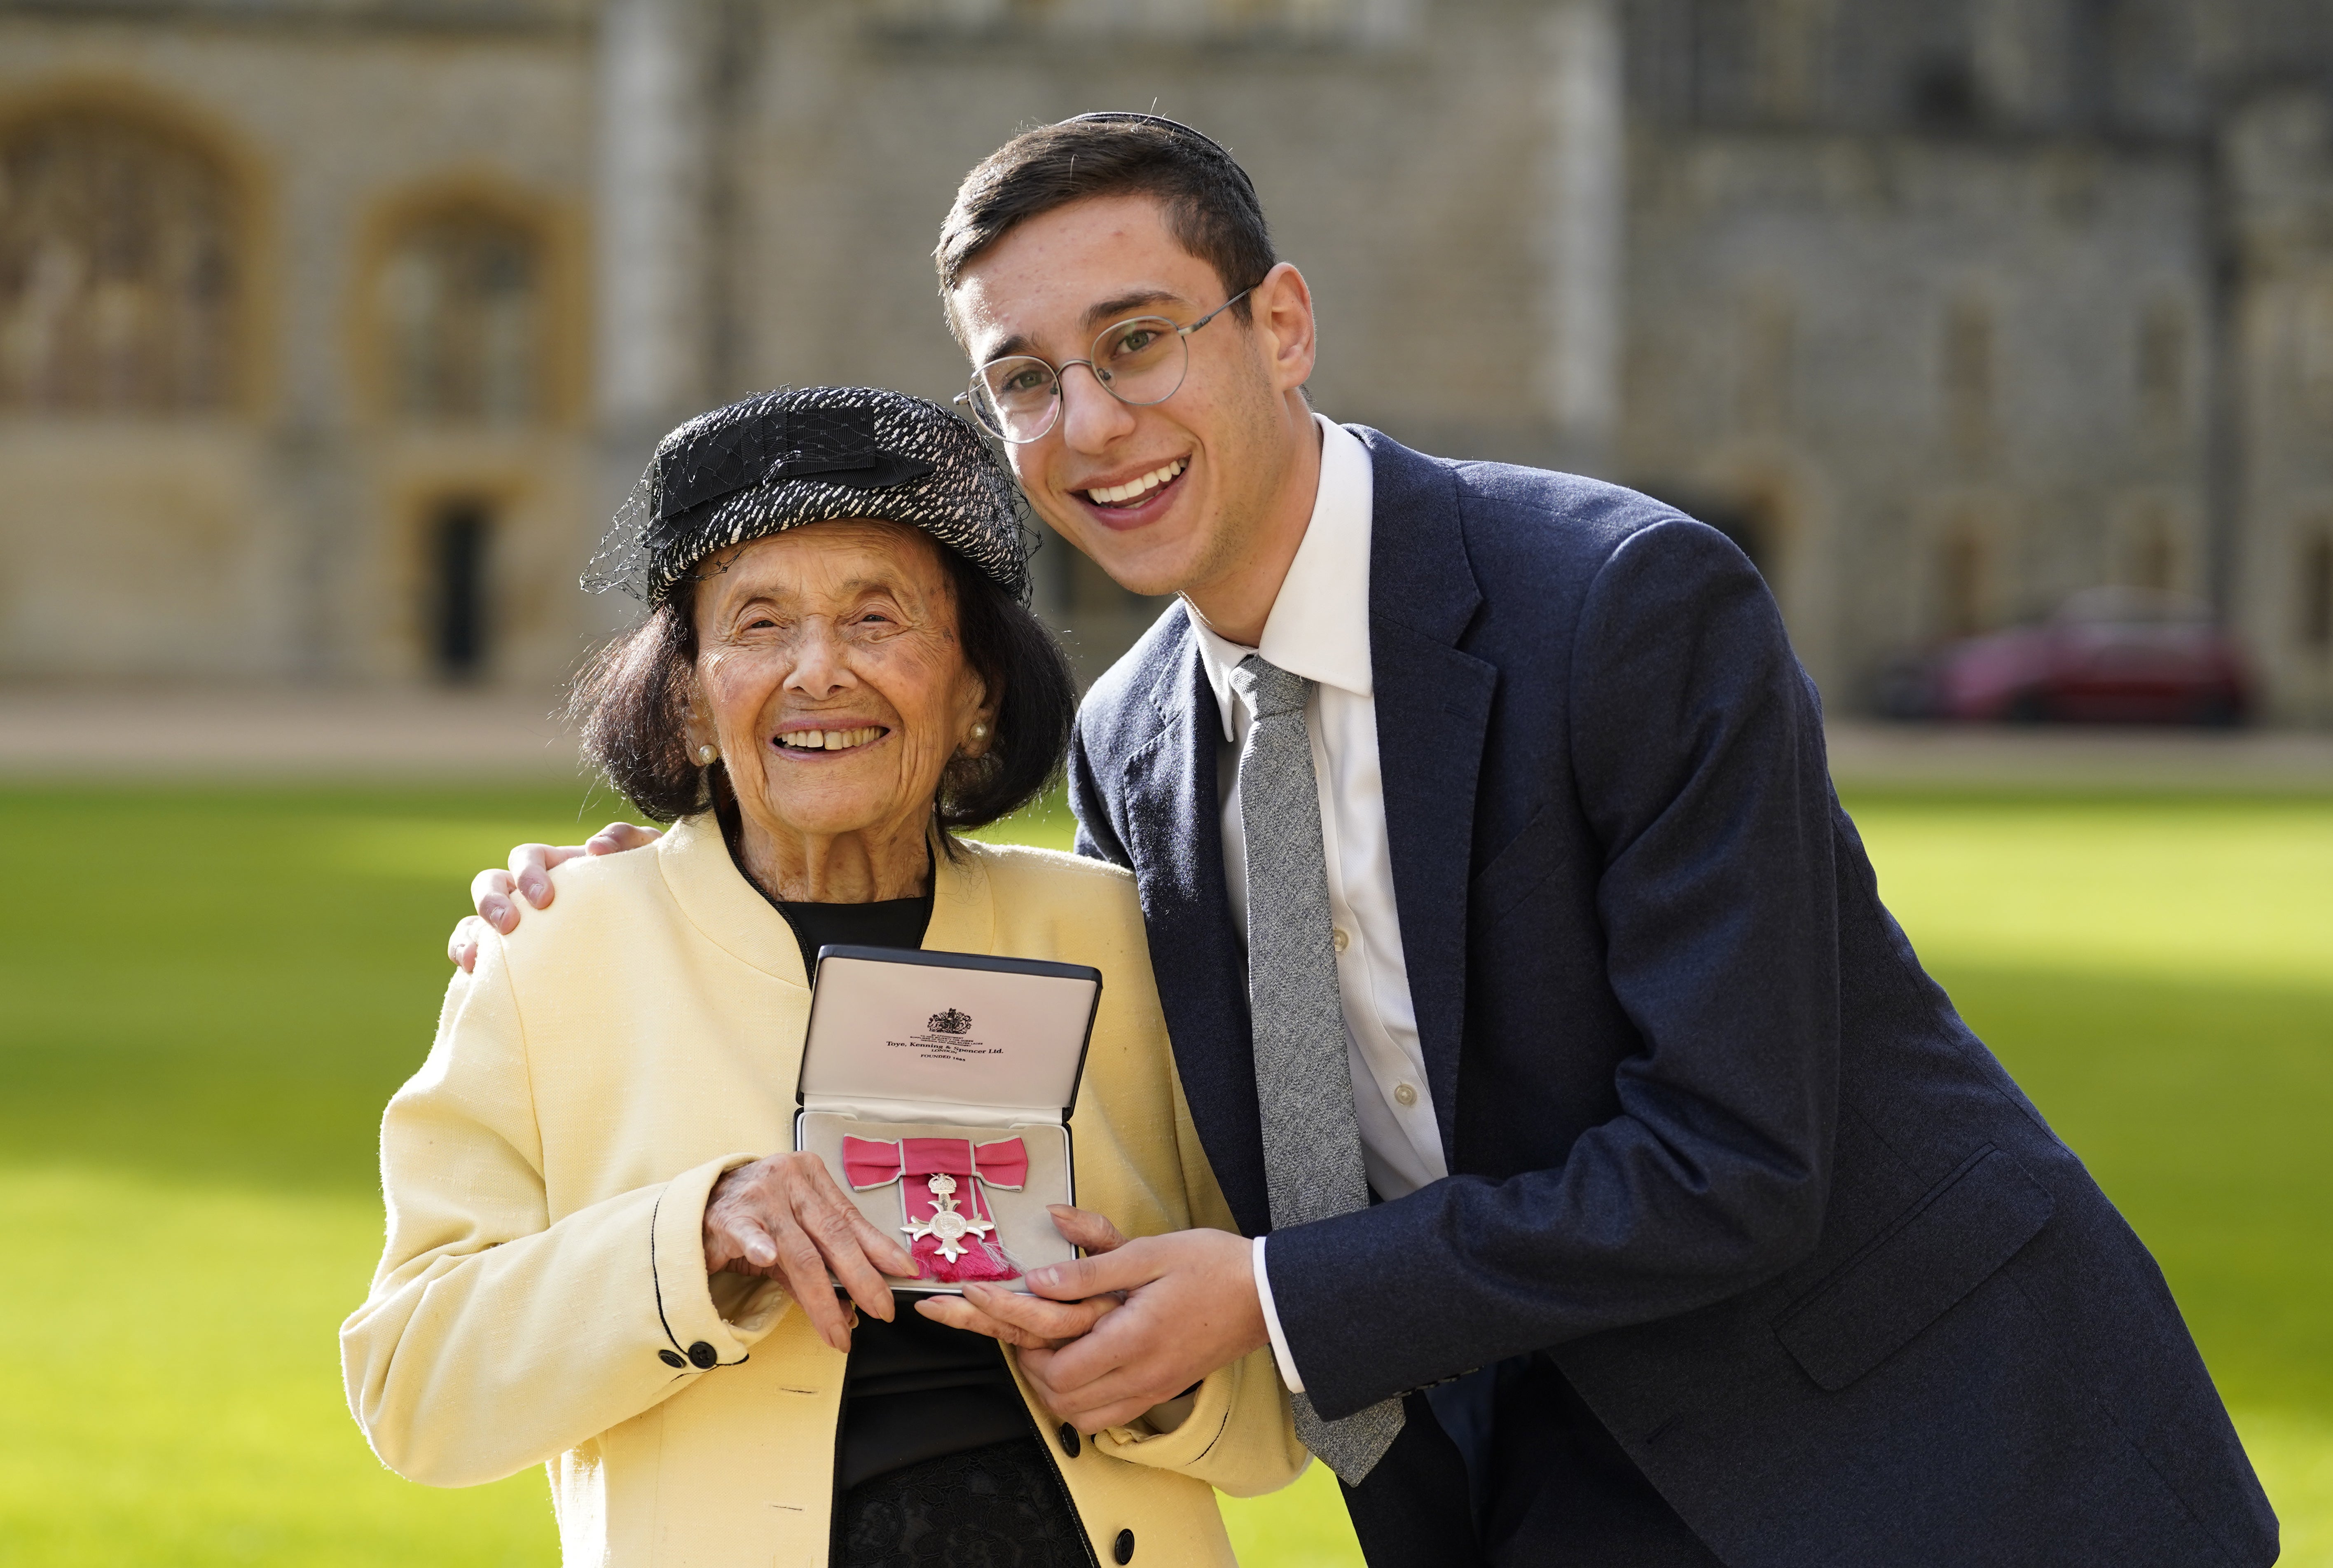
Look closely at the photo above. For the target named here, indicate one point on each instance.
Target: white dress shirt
(1318, 628)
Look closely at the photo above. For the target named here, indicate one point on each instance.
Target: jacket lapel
(1175, 833)
(1437, 699)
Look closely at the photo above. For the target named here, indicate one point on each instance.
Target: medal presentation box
(937, 1088)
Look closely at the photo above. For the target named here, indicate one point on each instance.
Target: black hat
(780, 459)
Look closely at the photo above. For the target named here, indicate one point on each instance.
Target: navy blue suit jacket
(1717, 1144)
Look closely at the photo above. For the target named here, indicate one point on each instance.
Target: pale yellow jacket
(546, 1173)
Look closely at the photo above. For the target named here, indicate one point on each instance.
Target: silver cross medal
(947, 1223)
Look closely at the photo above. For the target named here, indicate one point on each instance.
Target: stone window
(1963, 586)
(1794, 42)
(1941, 92)
(2151, 551)
(1724, 48)
(461, 314)
(2312, 345)
(1766, 337)
(1752, 527)
(2317, 592)
(118, 275)
(2162, 369)
(1969, 376)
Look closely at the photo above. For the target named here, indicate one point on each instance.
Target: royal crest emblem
(955, 1021)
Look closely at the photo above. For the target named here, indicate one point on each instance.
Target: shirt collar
(1318, 626)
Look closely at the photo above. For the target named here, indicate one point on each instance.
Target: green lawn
(210, 994)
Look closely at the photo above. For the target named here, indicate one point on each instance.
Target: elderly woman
(595, 1259)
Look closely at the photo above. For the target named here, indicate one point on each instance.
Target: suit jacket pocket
(1877, 1302)
(1522, 864)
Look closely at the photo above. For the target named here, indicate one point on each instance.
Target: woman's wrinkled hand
(1032, 1322)
(784, 1219)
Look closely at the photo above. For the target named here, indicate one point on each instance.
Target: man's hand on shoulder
(529, 877)
(1191, 1308)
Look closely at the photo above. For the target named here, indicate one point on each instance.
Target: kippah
(1135, 117)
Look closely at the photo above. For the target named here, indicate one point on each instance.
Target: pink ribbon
(870, 1162)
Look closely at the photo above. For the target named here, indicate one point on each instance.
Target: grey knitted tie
(1303, 1083)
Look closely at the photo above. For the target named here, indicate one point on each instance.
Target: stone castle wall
(1944, 308)
(283, 533)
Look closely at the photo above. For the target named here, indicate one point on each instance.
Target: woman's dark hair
(1211, 205)
(632, 701)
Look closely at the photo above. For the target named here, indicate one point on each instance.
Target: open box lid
(900, 1035)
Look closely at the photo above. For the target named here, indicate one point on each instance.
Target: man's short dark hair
(1210, 205)
(632, 701)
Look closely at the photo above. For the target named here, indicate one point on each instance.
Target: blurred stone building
(329, 330)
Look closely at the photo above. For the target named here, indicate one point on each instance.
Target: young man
(1625, 1192)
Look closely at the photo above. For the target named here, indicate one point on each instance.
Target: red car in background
(2108, 656)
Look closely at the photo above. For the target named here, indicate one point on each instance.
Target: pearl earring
(706, 755)
(980, 731)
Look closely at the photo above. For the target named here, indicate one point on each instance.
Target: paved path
(262, 733)
(309, 733)
(2071, 756)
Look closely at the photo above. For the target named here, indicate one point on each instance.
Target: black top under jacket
(913, 1390)
(1719, 1148)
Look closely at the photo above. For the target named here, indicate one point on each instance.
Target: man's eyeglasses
(1138, 362)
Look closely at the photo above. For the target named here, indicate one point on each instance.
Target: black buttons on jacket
(1122, 1549)
(671, 1357)
(703, 1355)
(1069, 1442)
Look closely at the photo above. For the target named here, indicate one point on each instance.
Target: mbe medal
(947, 1224)
(952, 1240)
